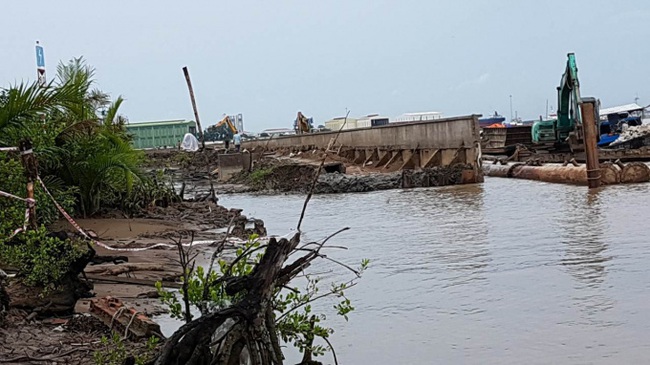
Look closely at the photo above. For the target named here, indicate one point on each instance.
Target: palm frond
(111, 113)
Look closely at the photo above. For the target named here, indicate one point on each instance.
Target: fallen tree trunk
(247, 326)
(115, 270)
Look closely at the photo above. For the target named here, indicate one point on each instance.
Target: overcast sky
(269, 59)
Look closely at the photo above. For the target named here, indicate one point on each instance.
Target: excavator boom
(223, 130)
(302, 124)
(568, 94)
(566, 128)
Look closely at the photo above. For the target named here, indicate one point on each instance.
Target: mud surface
(341, 183)
(130, 277)
(282, 176)
(72, 340)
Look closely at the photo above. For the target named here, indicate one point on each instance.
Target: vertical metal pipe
(587, 108)
(196, 112)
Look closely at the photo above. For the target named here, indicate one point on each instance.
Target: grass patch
(257, 177)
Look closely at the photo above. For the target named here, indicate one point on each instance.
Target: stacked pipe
(610, 173)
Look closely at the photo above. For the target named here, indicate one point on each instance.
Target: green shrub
(41, 260)
(12, 211)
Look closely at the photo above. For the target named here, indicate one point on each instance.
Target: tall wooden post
(589, 126)
(196, 111)
(31, 172)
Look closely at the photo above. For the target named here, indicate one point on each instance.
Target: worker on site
(237, 141)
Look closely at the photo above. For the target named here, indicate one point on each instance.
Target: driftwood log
(246, 327)
(115, 270)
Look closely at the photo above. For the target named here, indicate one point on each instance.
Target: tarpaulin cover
(190, 143)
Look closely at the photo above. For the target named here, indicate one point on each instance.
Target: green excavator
(566, 130)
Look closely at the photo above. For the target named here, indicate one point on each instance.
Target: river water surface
(507, 272)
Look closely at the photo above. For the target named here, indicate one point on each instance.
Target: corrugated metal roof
(422, 113)
(159, 123)
(621, 109)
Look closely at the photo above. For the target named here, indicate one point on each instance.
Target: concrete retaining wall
(394, 147)
(230, 164)
(449, 133)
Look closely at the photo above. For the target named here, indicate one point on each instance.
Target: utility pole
(510, 108)
(196, 112)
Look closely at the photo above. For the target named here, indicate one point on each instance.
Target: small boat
(488, 121)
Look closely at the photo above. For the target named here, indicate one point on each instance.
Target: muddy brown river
(507, 272)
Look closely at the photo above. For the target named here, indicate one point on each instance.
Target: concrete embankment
(414, 146)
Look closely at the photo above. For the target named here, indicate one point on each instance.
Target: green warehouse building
(160, 134)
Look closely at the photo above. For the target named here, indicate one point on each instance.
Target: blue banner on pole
(40, 57)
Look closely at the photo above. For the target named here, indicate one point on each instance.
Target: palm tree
(71, 142)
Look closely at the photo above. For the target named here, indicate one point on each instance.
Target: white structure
(336, 123)
(417, 117)
(372, 120)
(623, 111)
(630, 109)
(238, 121)
(278, 131)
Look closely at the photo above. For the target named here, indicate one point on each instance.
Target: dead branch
(206, 288)
(252, 329)
(187, 261)
(315, 180)
(115, 270)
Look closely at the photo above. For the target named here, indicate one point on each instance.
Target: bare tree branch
(315, 180)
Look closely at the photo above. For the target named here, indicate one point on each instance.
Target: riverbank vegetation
(85, 164)
(84, 158)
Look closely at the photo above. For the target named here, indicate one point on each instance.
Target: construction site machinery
(303, 124)
(222, 131)
(566, 130)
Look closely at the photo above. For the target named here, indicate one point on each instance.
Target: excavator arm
(226, 123)
(224, 129)
(568, 94)
(302, 124)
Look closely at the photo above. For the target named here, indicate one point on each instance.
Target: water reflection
(583, 227)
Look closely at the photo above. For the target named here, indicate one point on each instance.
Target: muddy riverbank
(195, 174)
(280, 174)
(130, 276)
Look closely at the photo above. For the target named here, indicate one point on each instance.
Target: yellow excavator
(222, 131)
(228, 123)
(302, 124)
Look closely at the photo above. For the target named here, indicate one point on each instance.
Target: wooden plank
(133, 281)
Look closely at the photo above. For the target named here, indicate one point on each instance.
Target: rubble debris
(122, 319)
